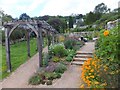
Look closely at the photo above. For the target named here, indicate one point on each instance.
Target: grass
(18, 55)
(0, 61)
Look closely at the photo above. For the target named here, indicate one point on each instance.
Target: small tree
(70, 22)
(24, 16)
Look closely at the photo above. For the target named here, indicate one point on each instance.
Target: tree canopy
(24, 16)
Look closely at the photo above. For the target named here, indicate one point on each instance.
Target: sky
(52, 7)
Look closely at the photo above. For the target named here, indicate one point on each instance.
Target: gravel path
(70, 79)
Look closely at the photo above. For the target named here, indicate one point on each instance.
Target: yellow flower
(96, 82)
(91, 70)
(92, 76)
(106, 33)
(82, 86)
(87, 77)
(104, 84)
(89, 73)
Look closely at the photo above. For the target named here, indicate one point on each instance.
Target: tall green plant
(107, 50)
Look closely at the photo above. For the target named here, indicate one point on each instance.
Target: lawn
(18, 55)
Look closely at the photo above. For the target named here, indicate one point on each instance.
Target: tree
(79, 16)
(70, 22)
(45, 17)
(101, 8)
(24, 16)
(6, 18)
(90, 18)
(58, 24)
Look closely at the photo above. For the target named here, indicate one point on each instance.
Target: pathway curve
(19, 78)
(70, 79)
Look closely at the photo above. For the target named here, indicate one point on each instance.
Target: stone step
(81, 52)
(83, 56)
(79, 59)
(77, 63)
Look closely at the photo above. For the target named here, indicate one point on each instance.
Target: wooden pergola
(36, 26)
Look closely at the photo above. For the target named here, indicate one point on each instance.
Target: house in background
(112, 24)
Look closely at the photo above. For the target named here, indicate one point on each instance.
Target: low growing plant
(35, 80)
(57, 50)
(55, 59)
(60, 68)
(69, 58)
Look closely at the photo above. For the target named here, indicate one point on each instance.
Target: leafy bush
(55, 59)
(70, 43)
(69, 58)
(71, 52)
(52, 75)
(57, 50)
(49, 75)
(60, 68)
(35, 80)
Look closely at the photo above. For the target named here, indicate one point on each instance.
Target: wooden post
(53, 39)
(28, 43)
(7, 43)
(40, 46)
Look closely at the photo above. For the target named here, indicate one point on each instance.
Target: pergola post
(28, 43)
(53, 38)
(39, 38)
(7, 43)
(48, 39)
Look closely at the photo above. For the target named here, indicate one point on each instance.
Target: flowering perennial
(106, 33)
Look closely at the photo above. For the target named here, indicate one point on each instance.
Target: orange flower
(106, 33)
(92, 70)
(89, 59)
(92, 76)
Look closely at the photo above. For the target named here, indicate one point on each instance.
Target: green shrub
(57, 50)
(57, 75)
(69, 58)
(35, 80)
(52, 75)
(70, 43)
(76, 47)
(49, 75)
(71, 53)
(55, 59)
(60, 68)
(45, 59)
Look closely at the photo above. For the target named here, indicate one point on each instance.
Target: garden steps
(83, 54)
(79, 59)
(86, 53)
(77, 63)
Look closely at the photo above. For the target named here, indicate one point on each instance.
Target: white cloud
(16, 7)
(52, 7)
(66, 7)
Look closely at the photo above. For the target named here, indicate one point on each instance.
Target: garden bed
(55, 62)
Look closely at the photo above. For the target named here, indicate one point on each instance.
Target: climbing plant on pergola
(36, 26)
